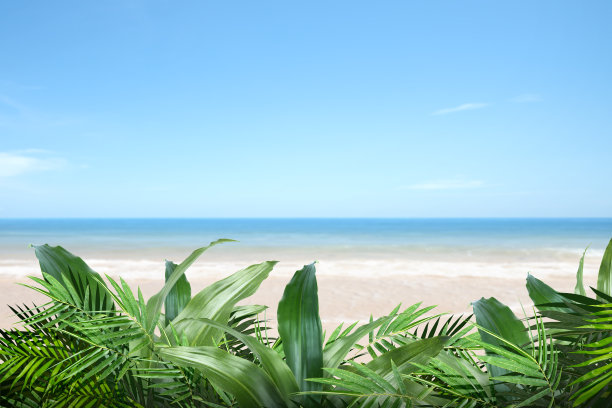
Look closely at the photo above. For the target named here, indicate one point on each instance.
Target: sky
(305, 109)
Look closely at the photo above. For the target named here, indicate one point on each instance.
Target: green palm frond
(246, 320)
(446, 327)
(394, 329)
(367, 388)
(534, 371)
(38, 368)
(113, 345)
(457, 381)
(83, 283)
(93, 395)
(383, 381)
(30, 359)
(530, 376)
(30, 399)
(123, 344)
(65, 304)
(584, 335)
(582, 328)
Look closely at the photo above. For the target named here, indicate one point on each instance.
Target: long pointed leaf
(579, 289)
(156, 301)
(179, 295)
(541, 294)
(299, 326)
(605, 271)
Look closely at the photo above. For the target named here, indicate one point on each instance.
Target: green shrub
(96, 342)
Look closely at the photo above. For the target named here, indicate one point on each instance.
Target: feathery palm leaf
(383, 381)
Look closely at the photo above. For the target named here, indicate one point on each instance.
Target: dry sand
(347, 297)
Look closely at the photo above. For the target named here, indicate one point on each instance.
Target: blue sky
(317, 109)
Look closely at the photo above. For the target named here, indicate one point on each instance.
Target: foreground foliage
(96, 342)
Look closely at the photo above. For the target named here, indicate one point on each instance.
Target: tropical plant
(286, 374)
(582, 328)
(99, 343)
(561, 357)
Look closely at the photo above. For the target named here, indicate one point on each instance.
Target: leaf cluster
(97, 342)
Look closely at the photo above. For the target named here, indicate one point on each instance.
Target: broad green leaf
(249, 384)
(579, 289)
(82, 281)
(299, 327)
(156, 301)
(497, 318)
(179, 295)
(217, 301)
(270, 360)
(605, 272)
(540, 293)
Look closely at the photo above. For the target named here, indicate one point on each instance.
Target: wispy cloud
(453, 184)
(14, 113)
(14, 164)
(33, 151)
(526, 98)
(460, 108)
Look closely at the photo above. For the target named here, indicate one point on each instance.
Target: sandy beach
(349, 289)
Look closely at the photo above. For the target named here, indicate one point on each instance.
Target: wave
(359, 265)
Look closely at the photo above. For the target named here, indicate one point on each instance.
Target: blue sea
(476, 247)
(565, 233)
(281, 232)
(136, 248)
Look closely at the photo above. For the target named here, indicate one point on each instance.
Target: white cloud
(16, 163)
(464, 107)
(526, 98)
(33, 151)
(445, 185)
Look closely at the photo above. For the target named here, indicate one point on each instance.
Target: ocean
(396, 243)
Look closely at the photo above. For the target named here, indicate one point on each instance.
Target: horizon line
(315, 218)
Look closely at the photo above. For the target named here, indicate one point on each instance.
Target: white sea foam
(137, 269)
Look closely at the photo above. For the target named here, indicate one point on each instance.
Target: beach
(353, 282)
(364, 266)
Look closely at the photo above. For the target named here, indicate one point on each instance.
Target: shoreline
(148, 263)
(348, 298)
(353, 282)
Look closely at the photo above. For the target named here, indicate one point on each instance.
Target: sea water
(398, 242)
